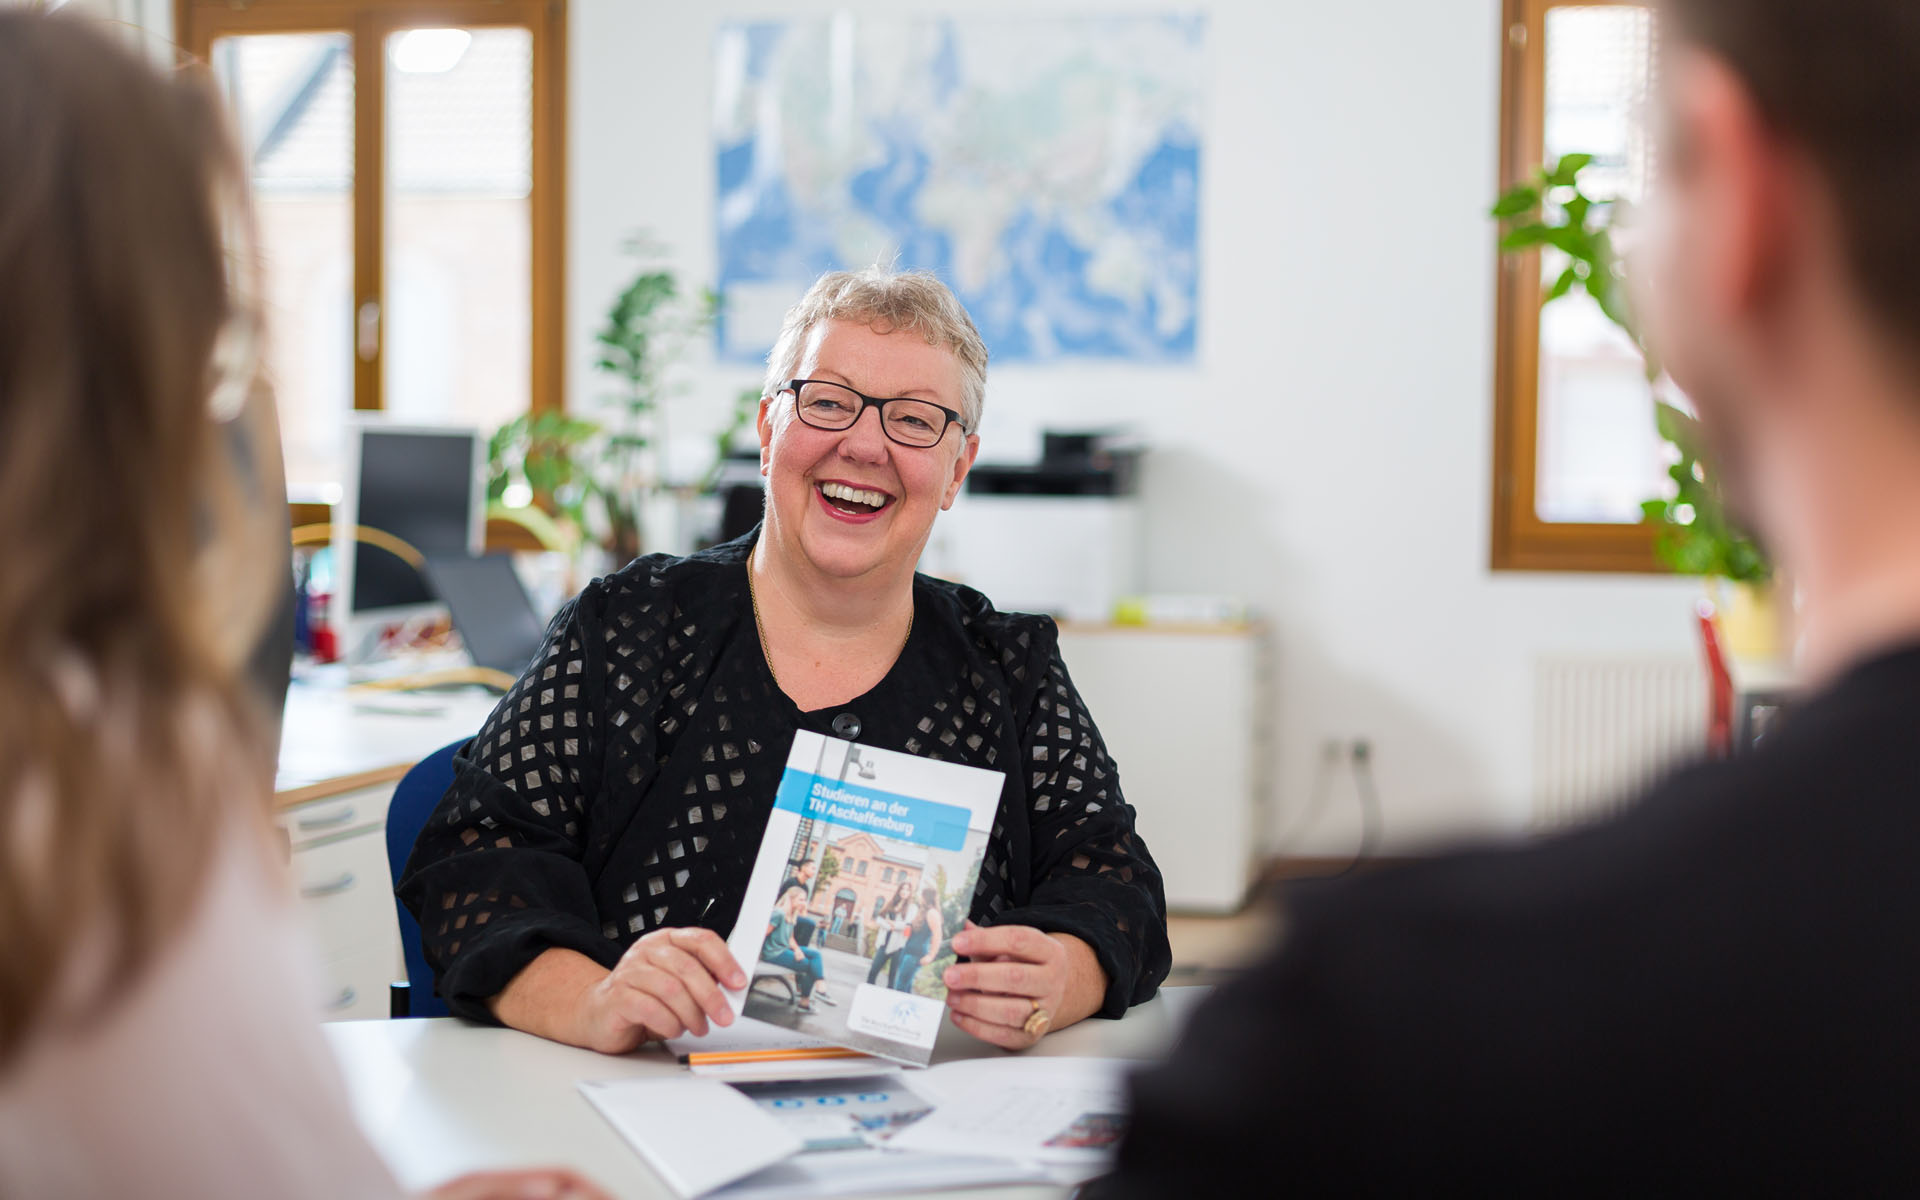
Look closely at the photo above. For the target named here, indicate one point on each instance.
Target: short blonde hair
(892, 301)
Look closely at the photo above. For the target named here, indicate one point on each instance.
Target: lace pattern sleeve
(496, 876)
(1093, 877)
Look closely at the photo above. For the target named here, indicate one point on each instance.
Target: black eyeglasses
(917, 423)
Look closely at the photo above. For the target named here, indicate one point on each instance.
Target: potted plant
(1694, 535)
(598, 479)
(537, 456)
(647, 328)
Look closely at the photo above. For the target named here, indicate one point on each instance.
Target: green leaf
(1524, 237)
(1577, 243)
(1515, 201)
(1676, 427)
(1569, 166)
(1611, 297)
(1692, 555)
(1562, 285)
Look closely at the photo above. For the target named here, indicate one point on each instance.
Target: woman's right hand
(666, 984)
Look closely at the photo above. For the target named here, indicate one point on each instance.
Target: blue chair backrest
(414, 799)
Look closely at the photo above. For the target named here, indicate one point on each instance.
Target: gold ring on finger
(1039, 1021)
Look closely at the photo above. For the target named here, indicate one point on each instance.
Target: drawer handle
(313, 891)
(344, 1000)
(332, 820)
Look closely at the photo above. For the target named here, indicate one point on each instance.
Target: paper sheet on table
(1057, 1111)
(848, 1127)
(697, 1134)
(789, 1139)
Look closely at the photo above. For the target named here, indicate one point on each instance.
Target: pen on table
(790, 1054)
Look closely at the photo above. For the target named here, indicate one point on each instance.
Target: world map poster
(1047, 169)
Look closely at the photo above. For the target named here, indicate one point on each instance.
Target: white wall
(1328, 454)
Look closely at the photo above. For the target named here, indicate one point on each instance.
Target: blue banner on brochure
(924, 822)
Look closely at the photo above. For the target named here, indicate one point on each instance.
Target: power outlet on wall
(1356, 750)
(1339, 755)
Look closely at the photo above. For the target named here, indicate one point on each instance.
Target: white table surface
(440, 1097)
(331, 732)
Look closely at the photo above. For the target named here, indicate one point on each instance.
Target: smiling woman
(580, 875)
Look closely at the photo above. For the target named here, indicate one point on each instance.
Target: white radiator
(1605, 727)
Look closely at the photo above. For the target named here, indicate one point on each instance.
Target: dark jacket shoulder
(687, 581)
(1017, 642)
(1704, 988)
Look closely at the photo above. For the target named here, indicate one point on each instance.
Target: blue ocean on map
(1048, 170)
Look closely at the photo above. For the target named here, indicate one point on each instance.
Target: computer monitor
(425, 485)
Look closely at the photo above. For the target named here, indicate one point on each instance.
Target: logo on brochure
(896, 1016)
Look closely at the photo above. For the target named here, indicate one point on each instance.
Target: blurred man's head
(1778, 269)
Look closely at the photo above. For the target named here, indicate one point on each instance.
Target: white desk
(440, 1097)
(333, 739)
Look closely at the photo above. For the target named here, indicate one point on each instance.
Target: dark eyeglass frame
(866, 402)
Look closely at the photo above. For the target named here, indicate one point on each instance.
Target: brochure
(781, 1140)
(864, 875)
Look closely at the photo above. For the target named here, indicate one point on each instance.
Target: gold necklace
(759, 626)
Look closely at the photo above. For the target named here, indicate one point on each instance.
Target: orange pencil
(705, 1058)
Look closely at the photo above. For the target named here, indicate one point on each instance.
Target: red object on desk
(1719, 687)
(326, 642)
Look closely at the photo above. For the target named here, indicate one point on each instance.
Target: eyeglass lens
(909, 422)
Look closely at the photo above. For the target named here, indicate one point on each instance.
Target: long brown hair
(132, 578)
(902, 896)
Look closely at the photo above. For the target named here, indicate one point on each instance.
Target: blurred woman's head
(133, 585)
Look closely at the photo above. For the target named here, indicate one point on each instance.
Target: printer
(1061, 535)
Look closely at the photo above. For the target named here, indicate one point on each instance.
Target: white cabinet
(1183, 711)
(339, 872)
(341, 755)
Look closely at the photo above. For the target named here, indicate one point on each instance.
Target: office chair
(413, 802)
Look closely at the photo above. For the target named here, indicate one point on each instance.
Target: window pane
(458, 276)
(292, 97)
(1599, 75)
(1598, 453)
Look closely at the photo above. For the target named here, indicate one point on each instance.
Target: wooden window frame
(197, 23)
(1521, 541)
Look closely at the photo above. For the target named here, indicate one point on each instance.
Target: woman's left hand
(1017, 971)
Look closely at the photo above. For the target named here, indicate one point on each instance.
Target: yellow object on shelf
(1750, 620)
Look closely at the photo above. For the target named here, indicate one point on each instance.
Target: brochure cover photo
(864, 875)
